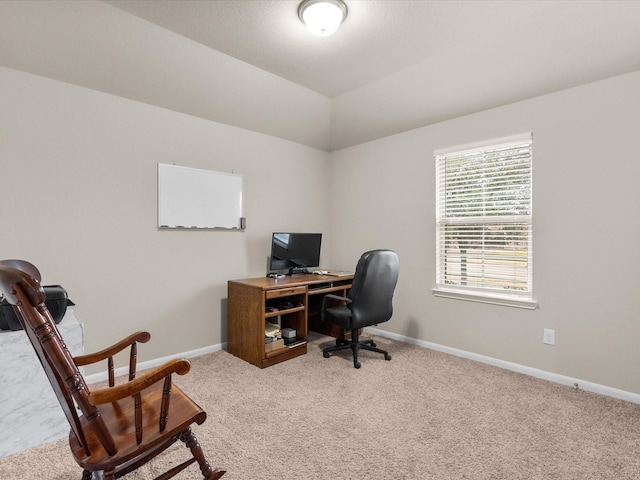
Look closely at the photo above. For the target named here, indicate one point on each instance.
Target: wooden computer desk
(298, 299)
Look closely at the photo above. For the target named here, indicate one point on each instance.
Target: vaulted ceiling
(393, 65)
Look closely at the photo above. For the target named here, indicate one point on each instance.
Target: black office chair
(368, 302)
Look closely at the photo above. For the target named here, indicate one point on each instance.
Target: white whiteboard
(195, 198)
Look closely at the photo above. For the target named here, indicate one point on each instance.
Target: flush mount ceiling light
(322, 17)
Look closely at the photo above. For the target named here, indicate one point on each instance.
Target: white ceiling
(394, 65)
(381, 37)
(376, 39)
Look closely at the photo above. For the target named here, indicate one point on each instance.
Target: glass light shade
(322, 18)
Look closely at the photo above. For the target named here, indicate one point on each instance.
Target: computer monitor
(296, 252)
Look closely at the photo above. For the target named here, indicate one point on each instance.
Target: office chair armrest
(133, 387)
(335, 298)
(81, 360)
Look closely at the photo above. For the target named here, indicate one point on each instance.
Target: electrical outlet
(549, 337)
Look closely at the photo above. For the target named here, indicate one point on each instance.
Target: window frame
(482, 294)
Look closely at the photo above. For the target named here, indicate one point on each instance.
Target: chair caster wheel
(326, 354)
(387, 356)
(356, 364)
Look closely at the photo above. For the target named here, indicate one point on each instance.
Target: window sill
(504, 300)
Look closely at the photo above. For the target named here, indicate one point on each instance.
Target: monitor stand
(298, 271)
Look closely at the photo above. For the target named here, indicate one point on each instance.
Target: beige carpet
(423, 415)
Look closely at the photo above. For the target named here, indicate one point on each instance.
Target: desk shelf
(283, 312)
(295, 350)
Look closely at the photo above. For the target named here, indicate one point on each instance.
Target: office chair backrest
(372, 288)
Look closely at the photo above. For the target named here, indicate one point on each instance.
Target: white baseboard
(533, 372)
(99, 377)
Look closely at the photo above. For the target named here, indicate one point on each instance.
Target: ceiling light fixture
(322, 17)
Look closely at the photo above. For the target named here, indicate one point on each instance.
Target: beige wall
(585, 266)
(79, 200)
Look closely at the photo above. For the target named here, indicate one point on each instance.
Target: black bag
(57, 301)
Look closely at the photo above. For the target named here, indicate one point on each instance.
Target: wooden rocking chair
(120, 427)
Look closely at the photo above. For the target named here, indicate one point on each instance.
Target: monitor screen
(295, 251)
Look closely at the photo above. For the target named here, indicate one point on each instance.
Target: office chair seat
(340, 316)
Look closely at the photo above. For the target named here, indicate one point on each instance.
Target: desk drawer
(285, 292)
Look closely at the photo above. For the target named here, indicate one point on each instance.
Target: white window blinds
(484, 218)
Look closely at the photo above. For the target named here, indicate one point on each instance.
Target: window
(484, 222)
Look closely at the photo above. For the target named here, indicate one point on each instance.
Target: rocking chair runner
(121, 427)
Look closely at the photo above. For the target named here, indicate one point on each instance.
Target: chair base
(355, 344)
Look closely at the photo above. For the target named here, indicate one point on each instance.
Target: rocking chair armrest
(145, 380)
(141, 337)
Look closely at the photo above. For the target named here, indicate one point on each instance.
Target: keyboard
(340, 273)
